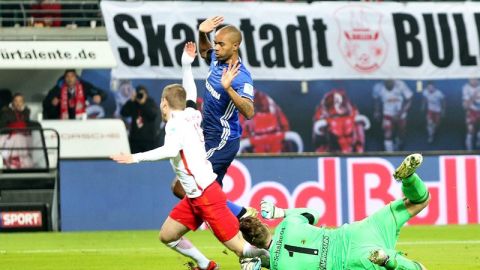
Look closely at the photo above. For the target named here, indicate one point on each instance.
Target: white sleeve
(376, 90)
(187, 80)
(465, 92)
(173, 145)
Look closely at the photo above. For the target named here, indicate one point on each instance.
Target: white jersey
(472, 94)
(434, 100)
(392, 100)
(184, 145)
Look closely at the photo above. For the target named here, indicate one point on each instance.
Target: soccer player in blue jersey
(221, 106)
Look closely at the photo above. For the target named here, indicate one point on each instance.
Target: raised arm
(188, 56)
(204, 29)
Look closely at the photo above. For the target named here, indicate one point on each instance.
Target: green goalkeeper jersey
(298, 245)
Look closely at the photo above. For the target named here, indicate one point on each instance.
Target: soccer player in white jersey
(471, 104)
(434, 104)
(204, 200)
(392, 100)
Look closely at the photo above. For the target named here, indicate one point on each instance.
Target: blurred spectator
(338, 126)
(16, 117)
(392, 101)
(434, 104)
(68, 99)
(145, 128)
(46, 13)
(267, 131)
(5, 98)
(123, 93)
(471, 104)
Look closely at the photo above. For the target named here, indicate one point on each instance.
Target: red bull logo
(349, 189)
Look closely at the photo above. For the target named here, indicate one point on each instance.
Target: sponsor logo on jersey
(212, 91)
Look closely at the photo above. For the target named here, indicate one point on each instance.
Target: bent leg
(181, 220)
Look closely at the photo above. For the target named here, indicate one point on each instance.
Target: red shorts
(473, 117)
(390, 123)
(210, 207)
(434, 116)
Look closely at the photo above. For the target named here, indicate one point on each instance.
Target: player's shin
(186, 248)
(414, 189)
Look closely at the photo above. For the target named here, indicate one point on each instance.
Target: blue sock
(236, 209)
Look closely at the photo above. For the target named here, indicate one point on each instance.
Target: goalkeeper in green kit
(368, 244)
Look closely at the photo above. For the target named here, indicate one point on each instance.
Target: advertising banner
(88, 139)
(55, 54)
(300, 41)
(342, 189)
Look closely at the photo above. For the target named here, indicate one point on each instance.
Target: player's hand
(229, 74)
(267, 209)
(123, 158)
(210, 24)
(189, 53)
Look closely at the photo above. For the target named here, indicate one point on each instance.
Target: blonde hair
(175, 95)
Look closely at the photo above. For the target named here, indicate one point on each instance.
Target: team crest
(361, 40)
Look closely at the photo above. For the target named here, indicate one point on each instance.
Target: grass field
(439, 248)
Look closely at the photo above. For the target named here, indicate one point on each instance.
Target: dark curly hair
(254, 231)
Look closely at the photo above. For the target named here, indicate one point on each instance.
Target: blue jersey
(220, 116)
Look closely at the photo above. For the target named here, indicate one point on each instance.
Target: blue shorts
(221, 158)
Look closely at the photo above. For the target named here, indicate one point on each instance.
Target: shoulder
(173, 126)
(192, 112)
(245, 74)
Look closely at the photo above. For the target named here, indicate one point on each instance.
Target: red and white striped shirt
(184, 146)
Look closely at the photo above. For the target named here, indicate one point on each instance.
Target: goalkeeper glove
(270, 211)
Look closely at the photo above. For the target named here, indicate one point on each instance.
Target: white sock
(185, 247)
(388, 145)
(469, 141)
(250, 251)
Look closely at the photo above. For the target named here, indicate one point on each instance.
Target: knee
(426, 202)
(420, 206)
(166, 238)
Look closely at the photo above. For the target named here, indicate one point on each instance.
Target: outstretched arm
(171, 148)
(271, 211)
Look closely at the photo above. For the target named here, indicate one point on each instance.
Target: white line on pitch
(160, 249)
(446, 242)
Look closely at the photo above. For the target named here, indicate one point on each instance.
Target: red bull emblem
(361, 41)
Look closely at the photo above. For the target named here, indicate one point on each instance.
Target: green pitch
(439, 248)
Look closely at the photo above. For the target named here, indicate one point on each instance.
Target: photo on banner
(329, 77)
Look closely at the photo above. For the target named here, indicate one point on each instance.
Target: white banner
(55, 54)
(300, 41)
(98, 138)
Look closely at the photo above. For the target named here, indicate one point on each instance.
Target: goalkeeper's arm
(271, 211)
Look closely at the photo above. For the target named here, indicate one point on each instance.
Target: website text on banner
(55, 54)
(304, 41)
